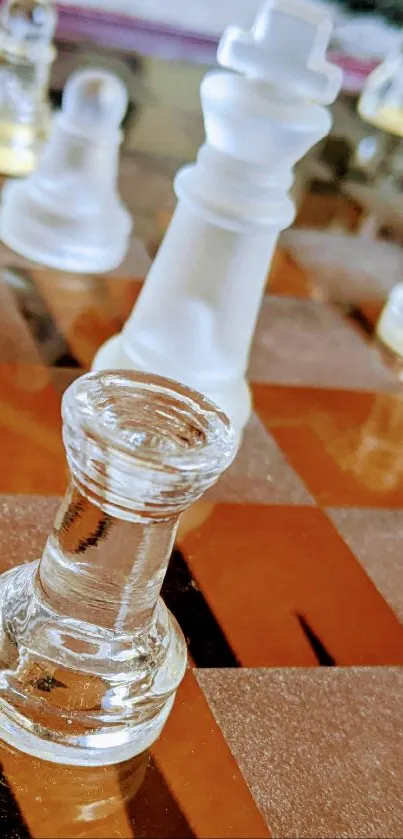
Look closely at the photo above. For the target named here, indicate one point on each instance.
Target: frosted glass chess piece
(26, 54)
(90, 657)
(68, 214)
(197, 312)
(389, 329)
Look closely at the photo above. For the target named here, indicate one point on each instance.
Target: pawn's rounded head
(95, 98)
(29, 20)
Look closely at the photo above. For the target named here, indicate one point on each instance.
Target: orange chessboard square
(32, 453)
(285, 588)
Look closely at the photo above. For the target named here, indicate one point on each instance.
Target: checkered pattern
(295, 556)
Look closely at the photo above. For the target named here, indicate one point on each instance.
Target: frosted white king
(195, 318)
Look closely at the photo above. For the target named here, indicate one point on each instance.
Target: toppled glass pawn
(26, 54)
(68, 213)
(90, 657)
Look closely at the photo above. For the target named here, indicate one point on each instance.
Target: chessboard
(286, 578)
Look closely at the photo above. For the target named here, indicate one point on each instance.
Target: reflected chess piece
(90, 657)
(197, 312)
(43, 328)
(68, 214)
(381, 105)
(378, 459)
(374, 452)
(68, 801)
(26, 54)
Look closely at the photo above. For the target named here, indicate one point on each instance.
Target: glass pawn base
(74, 693)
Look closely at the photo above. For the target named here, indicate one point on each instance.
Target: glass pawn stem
(90, 657)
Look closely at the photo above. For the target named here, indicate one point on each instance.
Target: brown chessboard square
(375, 537)
(306, 343)
(25, 523)
(260, 473)
(285, 588)
(321, 750)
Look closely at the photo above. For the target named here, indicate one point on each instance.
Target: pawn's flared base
(26, 229)
(14, 732)
(72, 693)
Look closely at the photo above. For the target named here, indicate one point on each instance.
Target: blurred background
(349, 190)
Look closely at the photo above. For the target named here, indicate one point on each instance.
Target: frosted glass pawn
(68, 213)
(196, 315)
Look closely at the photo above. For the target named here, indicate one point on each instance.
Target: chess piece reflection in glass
(26, 54)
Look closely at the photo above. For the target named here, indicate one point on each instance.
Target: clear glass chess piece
(381, 101)
(26, 54)
(90, 657)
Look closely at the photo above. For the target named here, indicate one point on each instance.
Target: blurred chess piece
(49, 340)
(389, 330)
(381, 101)
(367, 156)
(68, 214)
(26, 54)
(196, 315)
(381, 105)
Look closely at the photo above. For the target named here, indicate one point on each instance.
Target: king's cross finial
(286, 47)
